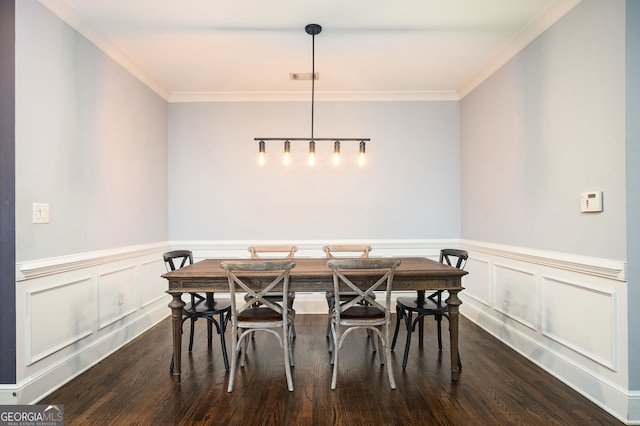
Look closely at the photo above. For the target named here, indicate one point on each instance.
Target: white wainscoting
(73, 311)
(568, 314)
(565, 313)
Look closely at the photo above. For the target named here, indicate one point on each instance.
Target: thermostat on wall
(591, 202)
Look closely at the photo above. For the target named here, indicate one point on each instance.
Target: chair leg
(334, 355)
(286, 333)
(293, 325)
(374, 342)
(193, 325)
(387, 351)
(399, 316)
(291, 359)
(330, 303)
(223, 344)
(234, 357)
(407, 320)
(328, 330)
(382, 345)
(245, 339)
(331, 343)
(439, 321)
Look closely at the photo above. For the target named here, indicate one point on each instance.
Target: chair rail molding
(606, 268)
(56, 265)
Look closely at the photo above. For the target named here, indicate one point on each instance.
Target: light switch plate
(40, 213)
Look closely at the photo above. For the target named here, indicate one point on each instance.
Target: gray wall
(91, 141)
(408, 189)
(633, 186)
(547, 126)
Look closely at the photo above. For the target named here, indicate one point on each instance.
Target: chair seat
(362, 312)
(204, 308)
(259, 314)
(427, 304)
(343, 296)
(278, 296)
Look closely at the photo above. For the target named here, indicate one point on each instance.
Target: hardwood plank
(497, 385)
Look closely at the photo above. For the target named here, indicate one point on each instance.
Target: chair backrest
(454, 257)
(239, 274)
(375, 272)
(347, 250)
(266, 252)
(181, 257)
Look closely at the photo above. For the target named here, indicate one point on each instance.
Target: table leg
(176, 306)
(454, 303)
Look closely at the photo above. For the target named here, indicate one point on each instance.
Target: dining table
(313, 275)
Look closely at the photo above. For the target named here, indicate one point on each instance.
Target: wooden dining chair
(432, 305)
(275, 252)
(260, 313)
(199, 306)
(353, 314)
(360, 251)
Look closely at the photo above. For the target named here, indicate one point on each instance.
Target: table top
(313, 274)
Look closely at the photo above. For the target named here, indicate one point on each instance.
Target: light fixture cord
(313, 77)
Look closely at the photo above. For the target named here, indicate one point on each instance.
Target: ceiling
(215, 50)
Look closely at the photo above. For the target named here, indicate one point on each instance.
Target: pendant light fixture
(313, 30)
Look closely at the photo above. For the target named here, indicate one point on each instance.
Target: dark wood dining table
(310, 275)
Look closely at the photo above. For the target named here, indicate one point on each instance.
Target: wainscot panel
(73, 311)
(514, 294)
(564, 312)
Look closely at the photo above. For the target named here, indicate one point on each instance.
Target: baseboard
(634, 408)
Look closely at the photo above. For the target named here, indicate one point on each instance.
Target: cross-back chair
(362, 311)
(259, 312)
(200, 306)
(334, 251)
(432, 305)
(275, 252)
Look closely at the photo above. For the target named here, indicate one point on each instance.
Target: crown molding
(67, 13)
(538, 25)
(305, 96)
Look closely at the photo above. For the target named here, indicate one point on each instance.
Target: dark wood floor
(497, 387)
